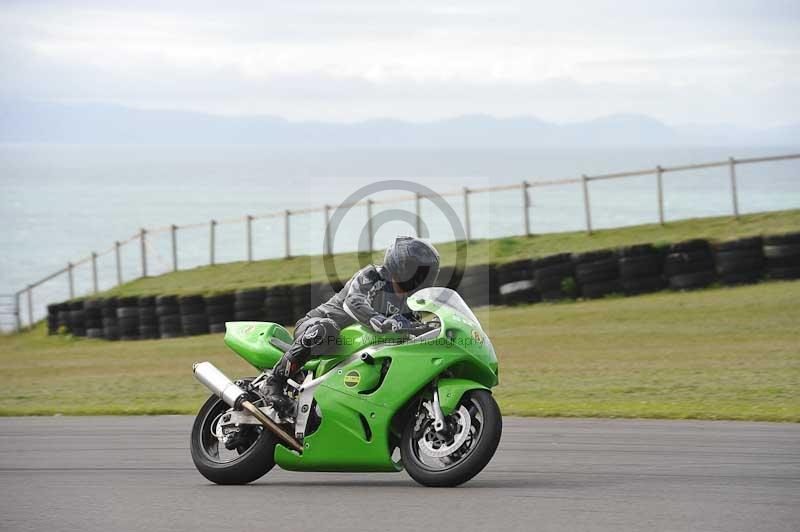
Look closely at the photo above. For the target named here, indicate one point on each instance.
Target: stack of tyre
(168, 312)
(93, 314)
(219, 309)
(110, 323)
(640, 269)
(62, 317)
(783, 256)
(690, 265)
(303, 300)
(478, 286)
(739, 261)
(278, 305)
(515, 283)
(128, 318)
(554, 277)
(326, 290)
(148, 320)
(597, 273)
(194, 320)
(248, 304)
(53, 322)
(77, 319)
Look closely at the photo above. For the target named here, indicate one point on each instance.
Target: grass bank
(722, 353)
(231, 276)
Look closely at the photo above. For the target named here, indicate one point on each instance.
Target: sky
(702, 62)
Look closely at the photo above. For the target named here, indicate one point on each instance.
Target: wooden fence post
(70, 279)
(119, 264)
(659, 182)
(94, 272)
(734, 195)
(586, 207)
(173, 233)
(30, 305)
(17, 316)
(143, 245)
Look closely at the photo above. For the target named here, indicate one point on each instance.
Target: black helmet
(413, 263)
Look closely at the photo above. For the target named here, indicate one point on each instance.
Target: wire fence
(20, 305)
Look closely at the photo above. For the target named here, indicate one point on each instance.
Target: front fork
(434, 409)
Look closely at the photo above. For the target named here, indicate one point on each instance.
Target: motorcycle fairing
(355, 428)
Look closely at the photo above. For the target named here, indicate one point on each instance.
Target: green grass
(722, 353)
(227, 277)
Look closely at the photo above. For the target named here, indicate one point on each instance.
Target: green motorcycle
(379, 402)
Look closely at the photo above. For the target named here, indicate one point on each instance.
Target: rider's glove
(399, 323)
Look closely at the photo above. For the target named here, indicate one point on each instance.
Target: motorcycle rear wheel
(465, 461)
(251, 461)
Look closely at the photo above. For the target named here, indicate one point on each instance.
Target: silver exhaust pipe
(235, 397)
(218, 383)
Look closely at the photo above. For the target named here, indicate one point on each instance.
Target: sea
(60, 203)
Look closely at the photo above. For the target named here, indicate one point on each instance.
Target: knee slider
(322, 332)
(317, 333)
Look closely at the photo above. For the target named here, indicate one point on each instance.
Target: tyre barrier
(77, 319)
(93, 312)
(782, 253)
(739, 261)
(307, 296)
(690, 265)
(449, 277)
(478, 285)
(302, 298)
(640, 269)
(194, 320)
(554, 277)
(219, 309)
(631, 270)
(148, 321)
(108, 310)
(128, 318)
(597, 273)
(515, 284)
(278, 304)
(62, 319)
(168, 313)
(248, 304)
(53, 322)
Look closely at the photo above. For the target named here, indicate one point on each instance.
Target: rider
(375, 296)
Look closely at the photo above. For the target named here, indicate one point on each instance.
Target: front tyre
(252, 455)
(447, 460)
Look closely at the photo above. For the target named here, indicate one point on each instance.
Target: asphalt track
(135, 473)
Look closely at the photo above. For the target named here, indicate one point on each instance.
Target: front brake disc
(464, 423)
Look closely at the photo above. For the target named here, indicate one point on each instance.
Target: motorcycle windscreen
(458, 319)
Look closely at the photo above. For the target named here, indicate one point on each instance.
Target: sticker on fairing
(352, 378)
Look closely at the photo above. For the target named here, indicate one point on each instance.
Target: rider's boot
(276, 383)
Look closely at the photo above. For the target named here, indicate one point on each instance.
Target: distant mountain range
(24, 121)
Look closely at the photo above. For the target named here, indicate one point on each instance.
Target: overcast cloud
(678, 61)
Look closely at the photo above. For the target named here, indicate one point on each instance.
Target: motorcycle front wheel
(452, 458)
(252, 454)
